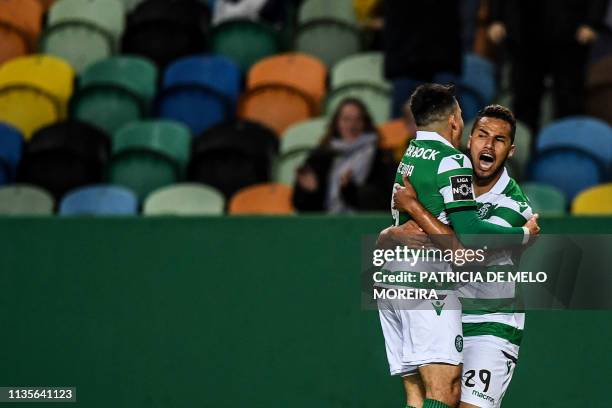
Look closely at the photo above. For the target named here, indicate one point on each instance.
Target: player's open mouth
(486, 161)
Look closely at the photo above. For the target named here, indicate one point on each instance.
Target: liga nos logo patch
(461, 187)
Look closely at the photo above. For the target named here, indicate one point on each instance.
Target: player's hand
(413, 236)
(533, 227)
(404, 196)
(497, 32)
(307, 179)
(346, 178)
(585, 35)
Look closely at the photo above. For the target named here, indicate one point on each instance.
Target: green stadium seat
(149, 155)
(24, 199)
(329, 40)
(545, 200)
(83, 31)
(185, 199)
(244, 42)
(286, 165)
(377, 100)
(115, 91)
(361, 68)
(303, 135)
(340, 10)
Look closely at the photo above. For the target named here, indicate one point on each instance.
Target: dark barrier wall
(228, 312)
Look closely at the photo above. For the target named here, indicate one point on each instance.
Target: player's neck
(484, 185)
(441, 130)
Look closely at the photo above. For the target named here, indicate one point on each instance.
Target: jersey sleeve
(454, 180)
(510, 213)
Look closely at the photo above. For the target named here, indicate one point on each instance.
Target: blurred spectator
(347, 172)
(370, 16)
(603, 46)
(422, 44)
(271, 11)
(546, 37)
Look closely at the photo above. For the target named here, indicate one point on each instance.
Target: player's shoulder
(513, 198)
(453, 159)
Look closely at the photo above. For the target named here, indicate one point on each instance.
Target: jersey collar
(426, 135)
(501, 184)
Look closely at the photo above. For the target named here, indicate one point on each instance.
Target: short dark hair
(432, 102)
(497, 112)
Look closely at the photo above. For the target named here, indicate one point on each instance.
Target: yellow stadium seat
(266, 198)
(594, 201)
(34, 91)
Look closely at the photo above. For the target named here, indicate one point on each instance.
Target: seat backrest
(11, 147)
(12, 44)
(327, 40)
(185, 199)
(23, 15)
(300, 71)
(376, 100)
(286, 165)
(217, 73)
(28, 110)
(135, 74)
(545, 199)
(479, 76)
(267, 198)
(303, 135)
(23, 199)
(594, 201)
(277, 107)
(52, 75)
(570, 170)
(105, 14)
(244, 42)
(340, 10)
(394, 136)
(361, 68)
(99, 200)
(592, 135)
(168, 138)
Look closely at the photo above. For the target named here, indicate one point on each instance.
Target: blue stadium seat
(99, 200)
(11, 146)
(571, 170)
(589, 134)
(479, 77)
(200, 92)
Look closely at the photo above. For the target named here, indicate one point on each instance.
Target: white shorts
(421, 335)
(488, 365)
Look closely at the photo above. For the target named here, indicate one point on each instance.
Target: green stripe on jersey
(475, 306)
(512, 334)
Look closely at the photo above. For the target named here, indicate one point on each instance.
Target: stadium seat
(599, 90)
(148, 155)
(200, 92)
(479, 77)
(300, 71)
(185, 199)
(22, 199)
(164, 31)
(394, 136)
(594, 201)
(65, 156)
(340, 10)
(20, 23)
(234, 155)
(267, 198)
(130, 5)
(286, 165)
(377, 100)
(591, 135)
(303, 135)
(34, 92)
(46, 4)
(570, 170)
(115, 91)
(83, 31)
(276, 106)
(245, 42)
(545, 199)
(11, 146)
(364, 68)
(99, 200)
(329, 40)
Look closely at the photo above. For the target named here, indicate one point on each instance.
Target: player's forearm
(440, 234)
(474, 232)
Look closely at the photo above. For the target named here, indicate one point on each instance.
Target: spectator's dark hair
(497, 112)
(332, 131)
(431, 103)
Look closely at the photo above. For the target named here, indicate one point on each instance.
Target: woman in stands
(347, 172)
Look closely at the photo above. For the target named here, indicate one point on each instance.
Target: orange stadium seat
(46, 4)
(267, 198)
(20, 24)
(276, 106)
(394, 136)
(300, 71)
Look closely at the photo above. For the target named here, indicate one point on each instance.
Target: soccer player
(492, 326)
(424, 345)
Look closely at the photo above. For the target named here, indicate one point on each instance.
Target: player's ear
(511, 152)
(469, 142)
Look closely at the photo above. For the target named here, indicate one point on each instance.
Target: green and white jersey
(440, 174)
(494, 308)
